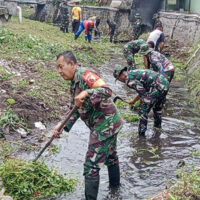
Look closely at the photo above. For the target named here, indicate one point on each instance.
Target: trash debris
(22, 132)
(40, 125)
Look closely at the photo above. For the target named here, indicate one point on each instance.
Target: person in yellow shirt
(76, 17)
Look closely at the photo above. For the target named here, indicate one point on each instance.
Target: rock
(22, 132)
(31, 81)
(40, 125)
(3, 197)
(115, 4)
(2, 91)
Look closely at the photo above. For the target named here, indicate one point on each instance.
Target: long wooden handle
(59, 129)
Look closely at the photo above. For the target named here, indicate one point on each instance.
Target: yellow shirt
(76, 12)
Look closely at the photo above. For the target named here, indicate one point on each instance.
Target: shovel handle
(59, 129)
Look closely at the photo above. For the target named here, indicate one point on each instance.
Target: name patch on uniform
(93, 80)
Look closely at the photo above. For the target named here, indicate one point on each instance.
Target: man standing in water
(152, 88)
(129, 51)
(95, 107)
(157, 61)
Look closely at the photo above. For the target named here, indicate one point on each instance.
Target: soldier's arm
(162, 42)
(146, 63)
(98, 94)
(133, 101)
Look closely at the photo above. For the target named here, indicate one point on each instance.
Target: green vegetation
(187, 187)
(33, 40)
(3, 74)
(130, 117)
(11, 101)
(32, 180)
(11, 120)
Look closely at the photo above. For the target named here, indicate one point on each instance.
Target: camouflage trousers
(137, 32)
(130, 58)
(113, 34)
(155, 100)
(103, 152)
(64, 24)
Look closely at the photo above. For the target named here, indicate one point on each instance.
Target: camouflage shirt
(157, 23)
(160, 63)
(98, 111)
(133, 46)
(145, 81)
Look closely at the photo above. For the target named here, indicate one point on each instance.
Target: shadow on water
(147, 164)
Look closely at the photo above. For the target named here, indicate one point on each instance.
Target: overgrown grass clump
(33, 180)
(187, 187)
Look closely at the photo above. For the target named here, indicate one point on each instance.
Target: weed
(53, 150)
(187, 187)
(10, 119)
(130, 117)
(11, 101)
(3, 74)
(195, 153)
(32, 180)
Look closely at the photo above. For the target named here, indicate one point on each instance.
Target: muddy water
(148, 164)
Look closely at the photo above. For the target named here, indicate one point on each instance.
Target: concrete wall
(48, 13)
(182, 27)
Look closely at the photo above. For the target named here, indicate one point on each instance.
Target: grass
(187, 187)
(11, 120)
(33, 180)
(33, 40)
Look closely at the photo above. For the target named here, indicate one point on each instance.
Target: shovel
(59, 129)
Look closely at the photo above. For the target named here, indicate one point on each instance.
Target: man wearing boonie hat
(157, 61)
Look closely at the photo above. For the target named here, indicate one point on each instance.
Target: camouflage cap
(144, 49)
(137, 15)
(155, 16)
(118, 71)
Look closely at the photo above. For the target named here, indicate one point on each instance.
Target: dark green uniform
(130, 49)
(102, 118)
(64, 16)
(137, 29)
(152, 88)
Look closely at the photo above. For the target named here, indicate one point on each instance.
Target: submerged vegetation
(32, 180)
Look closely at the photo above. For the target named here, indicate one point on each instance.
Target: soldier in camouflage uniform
(137, 27)
(157, 21)
(96, 108)
(113, 30)
(157, 61)
(152, 88)
(63, 12)
(130, 49)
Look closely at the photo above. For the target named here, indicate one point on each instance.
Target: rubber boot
(114, 175)
(75, 37)
(91, 187)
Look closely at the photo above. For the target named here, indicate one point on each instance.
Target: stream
(147, 165)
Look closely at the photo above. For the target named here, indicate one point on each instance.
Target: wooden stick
(59, 129)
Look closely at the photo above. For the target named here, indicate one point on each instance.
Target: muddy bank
(24, 88)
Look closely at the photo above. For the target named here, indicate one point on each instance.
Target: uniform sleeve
(72, 120)
(162, 37)
(98, 94)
